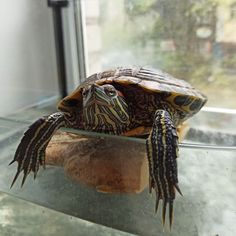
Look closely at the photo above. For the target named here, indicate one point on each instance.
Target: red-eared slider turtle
(122, 101)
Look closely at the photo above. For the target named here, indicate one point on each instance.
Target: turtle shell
(178, 93)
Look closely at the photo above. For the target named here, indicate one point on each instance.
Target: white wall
(27, 54)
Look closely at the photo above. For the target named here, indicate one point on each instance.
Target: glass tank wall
(192, 40)
(28, 72)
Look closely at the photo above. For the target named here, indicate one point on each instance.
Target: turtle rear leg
(30, 153)
(162, 150)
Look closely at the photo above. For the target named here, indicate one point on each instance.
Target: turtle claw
(23, 180)
(164, 212)
(151, 184)
(157, 201)
(167, 203)
(12, 162)
(24, 152)
(178, 189)
(171, 213)
(35, 175)
(15, 178)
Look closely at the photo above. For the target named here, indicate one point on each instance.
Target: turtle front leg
(162, 150)
(30, 152)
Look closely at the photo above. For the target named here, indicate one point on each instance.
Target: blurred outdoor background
(193, 40)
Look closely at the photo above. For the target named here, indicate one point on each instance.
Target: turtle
(125, 101)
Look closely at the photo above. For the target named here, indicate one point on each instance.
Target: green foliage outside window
(178, 36)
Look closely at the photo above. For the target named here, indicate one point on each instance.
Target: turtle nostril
(70, 102)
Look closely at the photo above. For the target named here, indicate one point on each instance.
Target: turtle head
(104, 109)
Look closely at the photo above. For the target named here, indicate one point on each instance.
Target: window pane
(193, 40)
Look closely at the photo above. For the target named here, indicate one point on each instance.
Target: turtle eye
(110, 91)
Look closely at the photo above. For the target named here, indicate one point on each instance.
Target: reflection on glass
(207, 180)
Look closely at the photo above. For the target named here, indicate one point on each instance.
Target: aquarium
(99, 35)
(206, 176)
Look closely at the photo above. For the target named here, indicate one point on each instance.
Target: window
(193, 40)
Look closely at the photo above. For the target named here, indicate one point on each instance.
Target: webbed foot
(162, 150)
(30, 153)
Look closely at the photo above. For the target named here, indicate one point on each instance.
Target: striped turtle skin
(122, 101)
